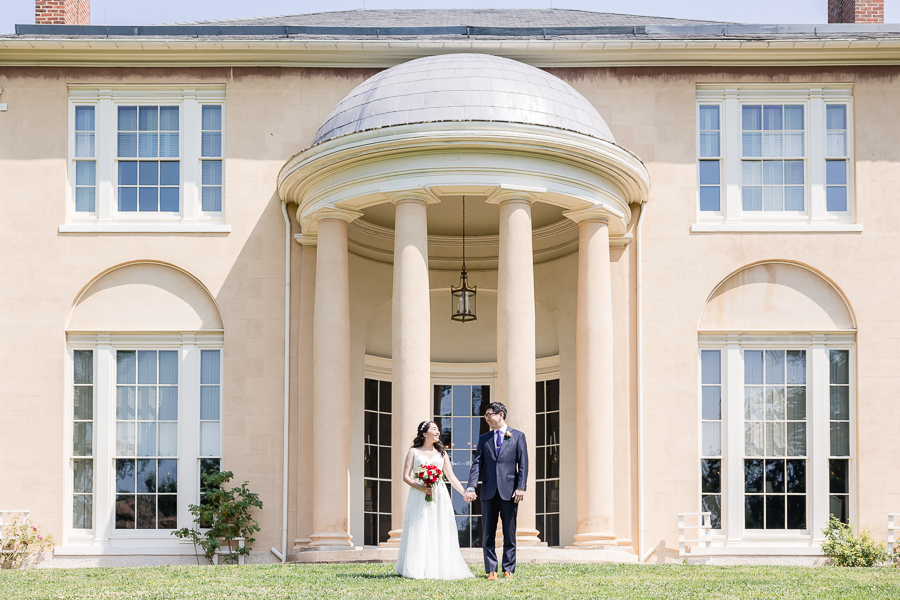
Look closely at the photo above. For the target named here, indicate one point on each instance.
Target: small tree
(22, 543)
(224, 514)
(846, 550)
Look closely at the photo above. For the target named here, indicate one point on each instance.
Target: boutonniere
(507, 435)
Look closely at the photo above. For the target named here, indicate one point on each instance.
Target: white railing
(226, 551)
(703, 527)
(26, 514)
(893, 523)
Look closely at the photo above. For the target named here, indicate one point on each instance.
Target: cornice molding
(135, 52)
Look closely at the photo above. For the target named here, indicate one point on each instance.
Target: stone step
(368, 554)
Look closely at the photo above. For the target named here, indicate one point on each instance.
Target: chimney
(856, 11)
(62, 12)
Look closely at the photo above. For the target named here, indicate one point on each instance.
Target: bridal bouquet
(429, 476)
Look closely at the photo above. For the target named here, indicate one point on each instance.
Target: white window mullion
(733, 417)
(190, 164)
(731, 134)
(188, 438)
(819, 438)
(104, 438)
(105, 149)
(816, 166)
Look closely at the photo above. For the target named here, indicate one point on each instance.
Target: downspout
(287, 380)
(639, 313)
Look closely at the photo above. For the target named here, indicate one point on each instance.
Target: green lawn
(371, 581)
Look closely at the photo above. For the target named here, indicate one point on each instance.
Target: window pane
(840, 508)
(168, 199)
(711, 476)
(839, 480)
(836, 172)
(209, 439)
(168, 439)
(836, 144)
(168, 172)
(148, 118)
(753, 512)
(751, 198)
(168, 118)
(709, 144)
(168, 476)
(713, 505)
(751, 117)
(211, 117)
(125, 445)
(84, 403)
(711, 366)
(753, 367)
(793, 116)
(793, 172)
(793, 144)
(125, 403)
(85, 172)
(212, 172)
(384, 396)
(836, 199)
(146, 410)
(124, 512)
(775, 441)
(146, 439)
(710, 198)
(712, 439)
(148, 144)
(209, 367)
(83, 439)
(796, 403)
(168, 144)
(370, 394)
(82, 512)
(796, 366)
(167, 507)
(753, 403)
(124, 476)
(128, 172)
(712, 403)
(836, 116)
(212, 199)
(128, 199)
(209, 403)
(84, 366)
(773, 198)
(773, 144)
(774, 476)
(211, 143)
(793, 198)
(753, 476)
(774, 403)
(772, 118)
(840, 366)
(775, 366)
(795, 475)
(146, 512)
(146, 363)
(840, 439)
(146, 476)
(772, 172)
(84, 118)
(168, 403)
(796, 439)
(148, 172)
(751, 144)
(127, 118)
(775, 512)
(148, 199)
(84, 144)
(840, 403)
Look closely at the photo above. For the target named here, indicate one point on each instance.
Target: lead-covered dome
(463, 87)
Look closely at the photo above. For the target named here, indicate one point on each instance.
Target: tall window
(775, 439)
(146, 439)
(150, 136)
(710, 154)
(547, 460)
(85, 165)
(836, 153)
(772, 164)
(711, 435)
(377, 462)
(839, 461)
(211, 158)
(210, 414)
(83, 441)
(459, 412)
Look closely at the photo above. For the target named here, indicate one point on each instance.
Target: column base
(338, 540)
(527, 537)
(597, 540)
(393, 540)
(300, 544)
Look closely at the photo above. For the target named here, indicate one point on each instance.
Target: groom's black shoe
(492, 575)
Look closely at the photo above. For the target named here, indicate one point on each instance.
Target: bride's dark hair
(421, 430)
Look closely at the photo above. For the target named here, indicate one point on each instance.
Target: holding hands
(470, 496)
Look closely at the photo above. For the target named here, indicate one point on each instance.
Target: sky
(140, 12)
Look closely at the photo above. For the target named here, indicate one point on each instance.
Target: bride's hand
(428, 491)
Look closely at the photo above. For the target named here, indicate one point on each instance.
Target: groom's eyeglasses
(488, 416)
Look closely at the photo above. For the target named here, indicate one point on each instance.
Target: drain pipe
(287, 381)
(640, 383)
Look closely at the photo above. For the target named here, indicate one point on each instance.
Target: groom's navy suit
(501, 475)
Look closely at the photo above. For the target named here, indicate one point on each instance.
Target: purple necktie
(499, 440)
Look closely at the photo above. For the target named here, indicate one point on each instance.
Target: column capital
(332, 212)
(420, 195)
(600, 212)
(514, 194)
(307, 240)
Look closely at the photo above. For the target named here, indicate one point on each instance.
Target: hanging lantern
(462, 298)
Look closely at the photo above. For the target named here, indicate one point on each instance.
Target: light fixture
(463, 297)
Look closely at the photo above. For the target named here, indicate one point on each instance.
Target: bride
(429, 547)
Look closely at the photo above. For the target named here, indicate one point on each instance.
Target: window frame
(106, 217)
(817, 346)
(814, 98)
(104, 346)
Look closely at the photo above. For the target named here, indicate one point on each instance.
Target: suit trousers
(506, 510)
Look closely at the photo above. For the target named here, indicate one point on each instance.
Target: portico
(375, 152)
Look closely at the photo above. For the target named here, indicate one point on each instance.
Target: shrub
(22, 543)
(846, 550)
(224, 514)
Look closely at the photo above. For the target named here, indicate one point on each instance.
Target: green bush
(847, 550)
(224, 514)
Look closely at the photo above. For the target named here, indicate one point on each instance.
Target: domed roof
(463, 87)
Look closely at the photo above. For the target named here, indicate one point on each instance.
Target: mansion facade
(235, 245)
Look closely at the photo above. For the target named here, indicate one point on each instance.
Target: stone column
(410, 343)
(331, 385)
(594, 385)
(303, 418)
(516, 341)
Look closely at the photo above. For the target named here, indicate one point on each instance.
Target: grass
(374, 581)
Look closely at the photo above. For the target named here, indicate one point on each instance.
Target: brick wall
(62, 12)
(856, 11)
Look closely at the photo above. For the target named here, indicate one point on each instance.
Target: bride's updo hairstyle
(421, 430)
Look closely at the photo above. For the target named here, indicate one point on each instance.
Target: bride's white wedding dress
(429, 547)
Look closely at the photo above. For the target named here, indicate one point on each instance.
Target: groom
(501, 458)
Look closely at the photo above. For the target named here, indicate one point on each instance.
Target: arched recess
(454, 342)
(145, 296)
(776, 296)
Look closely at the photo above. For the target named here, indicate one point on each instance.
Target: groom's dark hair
(496, 407)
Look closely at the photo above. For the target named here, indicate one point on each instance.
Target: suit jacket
(501, 474)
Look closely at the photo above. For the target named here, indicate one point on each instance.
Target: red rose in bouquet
(429, 476)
